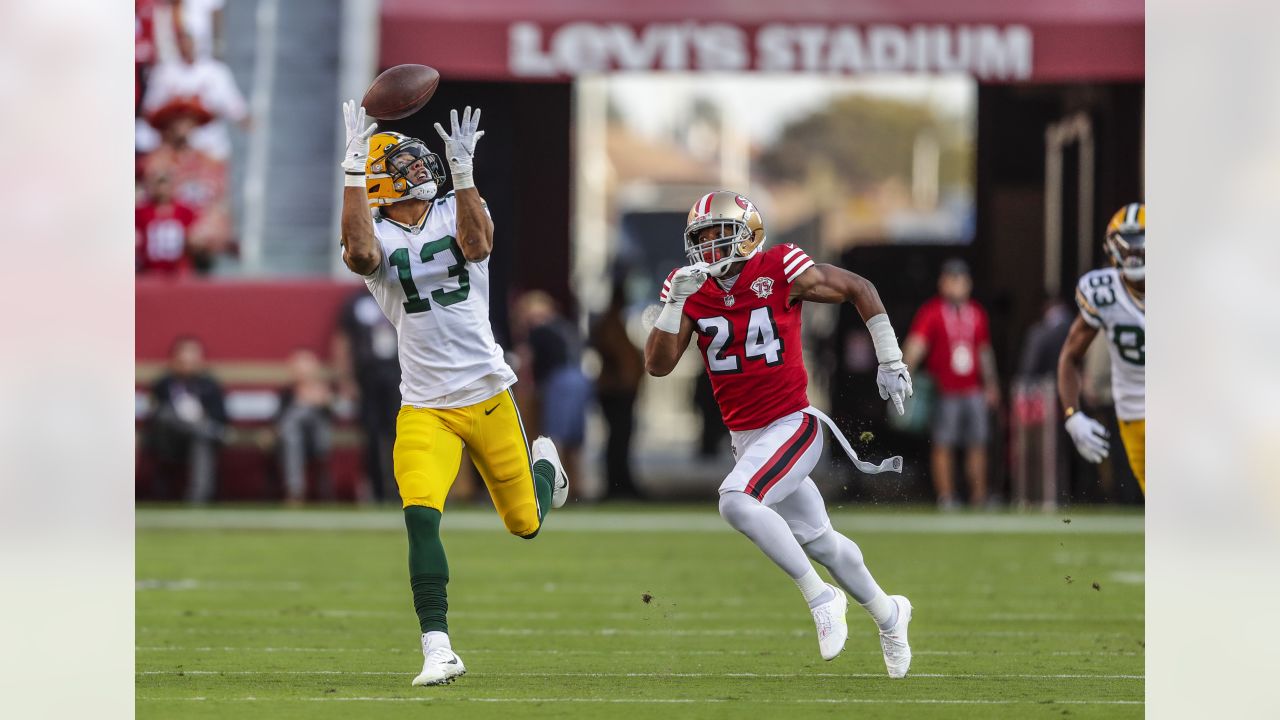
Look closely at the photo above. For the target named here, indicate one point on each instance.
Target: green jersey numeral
(415, 303)
(1131, 341)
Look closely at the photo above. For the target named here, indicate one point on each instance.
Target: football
(400, 91)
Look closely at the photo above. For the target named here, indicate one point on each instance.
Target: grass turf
(236, 619)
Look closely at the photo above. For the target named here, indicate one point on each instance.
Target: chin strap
(893, 464)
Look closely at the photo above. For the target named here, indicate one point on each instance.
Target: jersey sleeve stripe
(790, 254)
(792, 264)
(791, 276)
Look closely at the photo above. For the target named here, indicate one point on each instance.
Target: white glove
(460, 147)
(357, 152)
(686, 281)
(894, 382)
(1089, 436)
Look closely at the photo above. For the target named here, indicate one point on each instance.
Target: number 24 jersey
(750, 339)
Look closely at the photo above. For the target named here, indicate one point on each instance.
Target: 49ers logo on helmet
(743, 203)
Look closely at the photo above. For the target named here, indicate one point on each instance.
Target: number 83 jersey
(1107, 305)
(439, 305)
(749, 336)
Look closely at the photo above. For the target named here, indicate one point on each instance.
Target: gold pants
(1134, 435)
(428, 452)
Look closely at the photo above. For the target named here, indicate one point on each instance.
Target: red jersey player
(744, 304)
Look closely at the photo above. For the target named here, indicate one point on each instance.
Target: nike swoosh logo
(452, 662)
(490, 410)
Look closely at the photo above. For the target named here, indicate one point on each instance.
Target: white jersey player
(1112, 301)
(426, 261)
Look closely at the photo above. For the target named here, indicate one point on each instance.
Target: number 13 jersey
(1106, 304)
(750, 340)
(439, 305)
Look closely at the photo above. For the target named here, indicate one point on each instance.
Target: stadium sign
(990, 52)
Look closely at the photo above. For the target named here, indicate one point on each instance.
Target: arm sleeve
(794, 262)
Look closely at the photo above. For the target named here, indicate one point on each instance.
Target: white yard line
(639, 521)
(963, 676)
(655, 701)
(549, 651)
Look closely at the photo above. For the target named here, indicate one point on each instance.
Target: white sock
(815, 591)
(883, 610)
(435, 639)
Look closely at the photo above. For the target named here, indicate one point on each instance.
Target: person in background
(950, 334)
(305, 427)
(182, 77)
(188, 422)
(552, 348)
(1044, 340)
(162, 229)
(621, 371)
(365, 358)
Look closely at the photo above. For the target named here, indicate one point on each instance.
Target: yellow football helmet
(741, 231)
(391, 156)
(1126, 241)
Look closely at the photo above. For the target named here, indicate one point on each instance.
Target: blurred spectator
(188, 423)
(553, 349)
(621, 371)
(368, 369)
(199, 182)
(1044, 341)
(162, 229)
(305, 427)
(950, 333)
(182, 79)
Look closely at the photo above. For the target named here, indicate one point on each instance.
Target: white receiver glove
(1090, 437)
(357, 152)
(460, 147)
(683, 284)
(895, 383)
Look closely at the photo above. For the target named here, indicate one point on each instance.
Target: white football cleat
(897, 653)
(829, 618)
(544, 449)
(440, 665)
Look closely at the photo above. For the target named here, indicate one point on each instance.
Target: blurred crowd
(184, 99)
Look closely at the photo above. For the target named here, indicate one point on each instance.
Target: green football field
(248, 613)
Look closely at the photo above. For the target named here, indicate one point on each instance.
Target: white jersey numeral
(762, 337)
(721, 333)
(762, 341)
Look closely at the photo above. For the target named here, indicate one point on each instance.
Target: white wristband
(885, 341)
(463, 180)
(353, 180)
(669, 319)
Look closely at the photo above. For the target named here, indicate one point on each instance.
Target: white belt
(893, 464)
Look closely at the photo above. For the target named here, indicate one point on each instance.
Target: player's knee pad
(522, 521)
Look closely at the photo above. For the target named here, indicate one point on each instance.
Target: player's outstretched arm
(475, 229)
(1089, 435)
(360, 249)
(830, 284)
(1071, 360)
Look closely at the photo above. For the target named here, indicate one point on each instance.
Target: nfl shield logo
(728, 301)
(763, 287)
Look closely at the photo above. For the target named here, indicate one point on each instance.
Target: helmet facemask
(399, 165)
(1128, 252)
(720, 252)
